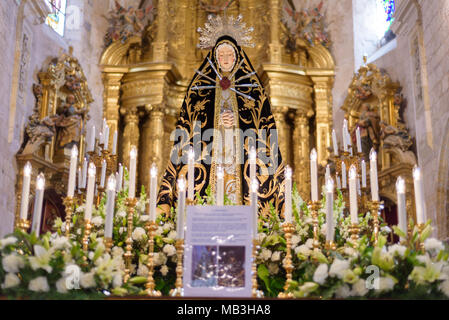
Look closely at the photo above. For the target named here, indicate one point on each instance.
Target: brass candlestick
(315, 205)
(86, 235)
(373, 206)
(288, 265)
(24, 225)
(130, 203)
(108, 242)
(330, 246)
(178, 291)
(255, 291)
(68, 203)
(100, 191)
(150, 286)
(421, 228)
(354, 230)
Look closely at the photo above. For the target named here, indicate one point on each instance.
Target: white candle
(254, 204)
(101, 139)
(338, 182)
(363, 174)
(132, 172)
(72, 172)
(335, 143)
(83, 184)
(343, 175)
(359, 140)
(328, 173)
(220, 186)
(191, 174)
(38, 202)
(353, 194)
(91, 140)
(80, 179)
(349, 139)
(103, 173)
(105, 124)
(110, 203)
(114, 144)
(373, 176)
(25, 191)
(330, 229)
(153, 192)
(252, 163)
(313, 175)
(119, 178)
(106, 138)
(419, 200)
(90, 191)
(181, 207)
(402, 211)
(345, 137)
(288, 194)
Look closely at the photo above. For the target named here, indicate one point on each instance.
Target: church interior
(368, 74)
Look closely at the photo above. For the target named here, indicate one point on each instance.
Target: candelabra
(421, 227)
(330, 246)
(150, 286)
(354, 230)
(130, 204)
(178, 291)
(108, 242)
(315, 206)
(24, 225)
(288, 265)
(68, 203)
(86, 235)
(374, 208)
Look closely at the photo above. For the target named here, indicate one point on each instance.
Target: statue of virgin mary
(226, 113)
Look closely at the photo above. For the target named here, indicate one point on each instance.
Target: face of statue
(226, 57)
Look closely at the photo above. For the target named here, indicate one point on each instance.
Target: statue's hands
(227, 119)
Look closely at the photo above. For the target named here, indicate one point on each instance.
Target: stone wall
(42, 44)
(421, 65)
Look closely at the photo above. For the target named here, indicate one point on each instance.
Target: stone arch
(443, 188)
(117, 53)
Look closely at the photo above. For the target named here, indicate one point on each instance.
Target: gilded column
(284, 133)
(111, 82)
(160, 48)
(322, 87)
(275, 45)
(131, 133)
(301, 154)
(152, 143)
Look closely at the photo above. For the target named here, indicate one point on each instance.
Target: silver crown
(217, 27)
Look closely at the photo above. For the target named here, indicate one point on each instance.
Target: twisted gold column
(301, 154)
(131, 133)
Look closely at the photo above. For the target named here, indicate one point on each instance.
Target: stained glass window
(56, 19)
(385, 13)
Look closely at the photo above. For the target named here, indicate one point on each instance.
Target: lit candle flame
(92, 169)
(182, 184)
(288, 173)
(112, 182)
(416, 173)
(373, 155)
(74, 151)
(133, 152)
(353, 172)
(220, 172)
(400, 185)
(40, 184)
(254, 186)
(252, 153)
(330, 185)
(191, 154)
(27, 169)
(153, 170)
(313, 155)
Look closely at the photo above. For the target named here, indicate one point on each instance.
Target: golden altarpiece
(57, 123)
(145, 79)
(375, 102)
